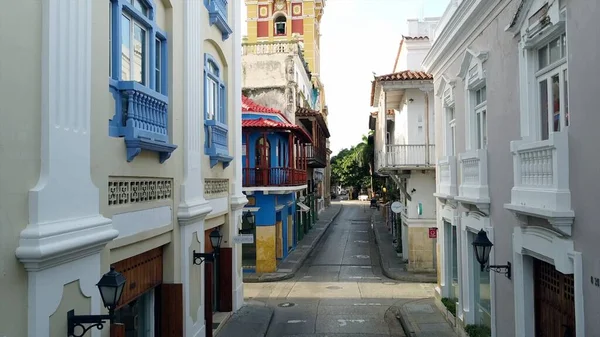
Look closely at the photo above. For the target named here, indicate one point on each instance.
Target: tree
(353, 167)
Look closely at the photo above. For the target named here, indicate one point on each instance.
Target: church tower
(282, 20)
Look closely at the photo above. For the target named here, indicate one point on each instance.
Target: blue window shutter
(223, 104)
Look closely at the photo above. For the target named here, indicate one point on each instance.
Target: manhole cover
(286, 304)
(389, 283)
(334, 287)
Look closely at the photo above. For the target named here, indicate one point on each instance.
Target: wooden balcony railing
(316, 157)
(274, 176)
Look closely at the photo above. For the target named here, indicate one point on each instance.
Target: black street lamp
(482, 247)
(111, 288)
(215, 241)
(248, 222)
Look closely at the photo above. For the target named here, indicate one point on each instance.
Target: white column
(237, 198)
(193, 208)
(65, 223)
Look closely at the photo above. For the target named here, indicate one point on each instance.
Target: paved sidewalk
(252, 320)
(293, 262)
(423, 318)
(392, 266)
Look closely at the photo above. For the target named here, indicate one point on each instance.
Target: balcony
(473, 187)
(446, 188)
(541, 180)
(273, 177)
(142, 119)
(217, 11)
(409, 156)
(316, 157)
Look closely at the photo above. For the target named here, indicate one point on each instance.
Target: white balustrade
(446, 168)
(474, 176)
(410, 155)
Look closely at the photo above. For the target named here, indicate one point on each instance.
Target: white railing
(474, 176)
(541, 173)
(446, 168)
(266, 48)
(410, 155)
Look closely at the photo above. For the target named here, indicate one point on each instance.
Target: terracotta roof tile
(406, 75)
(419, 38)
(305, 112)
(249, 105)
(263, 123)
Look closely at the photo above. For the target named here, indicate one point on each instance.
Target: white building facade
(130, 162)
(505, 89)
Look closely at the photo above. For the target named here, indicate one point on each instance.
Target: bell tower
(287, 20)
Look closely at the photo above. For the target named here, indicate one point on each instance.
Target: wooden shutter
(226, 280)
(117, 330)
(171, 313)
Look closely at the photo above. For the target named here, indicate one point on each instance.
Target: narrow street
(340, 291)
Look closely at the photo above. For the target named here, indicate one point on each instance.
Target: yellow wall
(420, 246)
(265, 249)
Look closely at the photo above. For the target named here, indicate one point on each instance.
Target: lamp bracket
(96, 321)
(199, 258)
(506, 269)
(245, 231)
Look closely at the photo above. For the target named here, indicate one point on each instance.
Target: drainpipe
(427, 128)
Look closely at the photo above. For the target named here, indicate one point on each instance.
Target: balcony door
(263, 160)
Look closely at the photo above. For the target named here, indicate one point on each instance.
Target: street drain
(334, 287)
(390, 283)
(286, 304)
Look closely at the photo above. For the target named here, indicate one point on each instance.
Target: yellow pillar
(265, 249)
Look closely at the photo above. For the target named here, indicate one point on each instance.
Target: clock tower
(287, 20)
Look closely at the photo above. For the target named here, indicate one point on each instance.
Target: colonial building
(514, 167)
(405, 144)
(281, 62)
(122, 154)
(275, 165)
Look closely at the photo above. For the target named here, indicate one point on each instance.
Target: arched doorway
(262, 160)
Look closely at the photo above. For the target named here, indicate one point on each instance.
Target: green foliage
(478, 331)
(450, 304)
(354, 166)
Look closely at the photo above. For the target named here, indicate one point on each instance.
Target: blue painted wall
(279, 158)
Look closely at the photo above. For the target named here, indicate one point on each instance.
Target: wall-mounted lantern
(111, 288)
(248, 223)
(482, 247)
(215, 241)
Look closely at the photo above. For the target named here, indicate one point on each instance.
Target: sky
(359, 37)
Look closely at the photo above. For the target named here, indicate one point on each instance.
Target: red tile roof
(302, 112)
(249, 105)
(406, 75)
(263, 123)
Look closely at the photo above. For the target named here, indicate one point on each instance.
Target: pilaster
(237, 199)
(66, 232)
(65, 222)
(193, 207)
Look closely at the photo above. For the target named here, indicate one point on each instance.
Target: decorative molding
(215, 188)
(65, 223)
(128, 190)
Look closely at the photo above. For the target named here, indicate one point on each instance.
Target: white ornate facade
(125, 163)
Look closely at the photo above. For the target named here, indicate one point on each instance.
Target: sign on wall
(432, 233)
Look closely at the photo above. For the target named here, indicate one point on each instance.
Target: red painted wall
(262, 29)
(298, 26)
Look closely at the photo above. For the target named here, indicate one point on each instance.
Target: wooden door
(171, 313)
(554, 302)
(226, 279)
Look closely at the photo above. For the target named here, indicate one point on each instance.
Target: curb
(407, 326)
(301, 261)
(388, 274)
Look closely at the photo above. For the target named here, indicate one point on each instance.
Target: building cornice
(469, 15)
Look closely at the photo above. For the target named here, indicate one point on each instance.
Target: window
(451, 132)
(215, 113)
(481, 117)
(280, 24)
(137, 76)
(552, 88)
